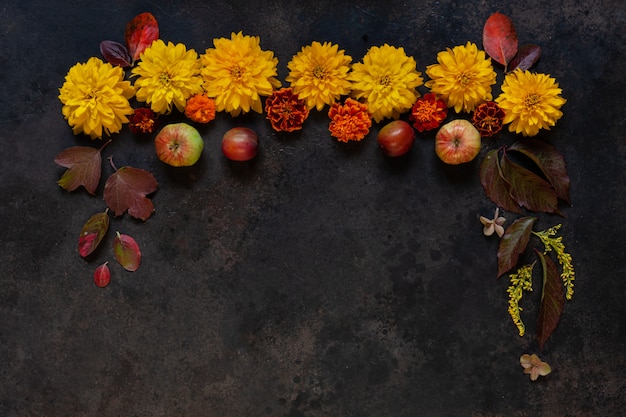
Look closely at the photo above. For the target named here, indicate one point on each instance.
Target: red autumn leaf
(525, 58)
(500, 38)
(495, 186)
(126, 189)
(84, 168)
(92, 233)
(140, 33)
(529, 189)
(102, 275)
(127, 252)
(549, 161)
(115, 53)
(514, 243)
(552, 300)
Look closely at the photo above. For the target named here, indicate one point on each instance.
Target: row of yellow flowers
(236, 74)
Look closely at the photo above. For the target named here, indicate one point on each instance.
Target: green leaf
(127, 252)
(514, 243)
(495, 186)
(549, 161)
(529, 189)
(126, 189)
(552, 300)
(92, 233)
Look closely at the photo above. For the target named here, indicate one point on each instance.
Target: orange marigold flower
(143, 120)
(285, 110)
(488, 118)
(200, 108)
(352, 121)
(428, 112)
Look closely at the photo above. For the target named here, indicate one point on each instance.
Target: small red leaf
(514, 243)
(525, 57)
(495, 186)
(126, 189)
(115, 53)
(140, 33)
(102, 275)
(92, 233)
(500, 38)
(84, 168)
(552, 300)
(127, 252)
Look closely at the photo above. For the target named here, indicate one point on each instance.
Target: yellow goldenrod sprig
(565, 259)
(521, 281)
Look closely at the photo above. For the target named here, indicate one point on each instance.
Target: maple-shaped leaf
(549, 161)
(514, 243)
(525, 58)
(529, 189)
(500, 38)
(127, 188)
(495, 186)
(84, 167)
(92, 233)
(115, 53)
(552, 300)
(127, 252)
(140, 32)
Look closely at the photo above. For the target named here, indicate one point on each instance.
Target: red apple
(457, 142)
(396, 138)
(179, 145)
(240, 144)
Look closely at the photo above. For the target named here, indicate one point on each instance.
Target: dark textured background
(322, 279)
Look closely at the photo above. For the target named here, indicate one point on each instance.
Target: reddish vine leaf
(115, 53)
(549, 161)
(514, 243)
(92, 233)
(84, 168)
(552, 300)
(500, 38)
(126, 189)
(140, 32)
(495, 185)
(127, 252)
(102, 275)
(529, 189)
(525, 58)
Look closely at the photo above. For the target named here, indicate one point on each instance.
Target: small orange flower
(285, 110)
(428, 112)
(143, 120)
(488, 118)
(352, 121)
(200, 108)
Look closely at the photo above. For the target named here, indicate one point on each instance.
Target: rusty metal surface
(322, 278)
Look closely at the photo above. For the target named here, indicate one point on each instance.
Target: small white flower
(493, 225)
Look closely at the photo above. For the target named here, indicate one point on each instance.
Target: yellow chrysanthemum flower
(386, 81)
(531, 102)
(462, 78)
(237, 73)
(168, 75)
(319, 74)
(95, 98)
